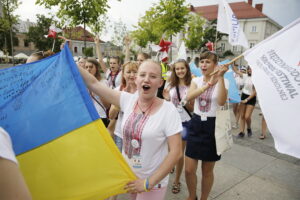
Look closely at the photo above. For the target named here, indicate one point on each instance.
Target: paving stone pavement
(251, 170)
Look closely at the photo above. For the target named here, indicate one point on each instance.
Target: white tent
(21, 55)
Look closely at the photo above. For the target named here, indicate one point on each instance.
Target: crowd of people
(158, 120)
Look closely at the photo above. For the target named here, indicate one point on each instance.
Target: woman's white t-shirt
(174, 99)
(239, 81)
(116, 80)
(154, 147)
(248, 85)
(100, 108)
(207, 103)
(6, 150)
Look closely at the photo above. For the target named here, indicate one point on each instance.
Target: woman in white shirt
(209, 93)
(12, 184)
(129, 71)
(100, 104)
(176, 90)
(151, 131)
(248, 101)
(113, 74)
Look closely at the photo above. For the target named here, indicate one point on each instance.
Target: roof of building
(77, 33)
(242, 10)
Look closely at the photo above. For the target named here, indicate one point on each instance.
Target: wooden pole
(229, 63)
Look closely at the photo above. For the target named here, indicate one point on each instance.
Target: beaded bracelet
(146, 185)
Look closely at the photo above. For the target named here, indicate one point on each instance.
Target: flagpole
(53, 45)
(216, 41)
(229, 63)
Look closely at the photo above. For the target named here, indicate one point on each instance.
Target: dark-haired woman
(176, 90)
(101, 105)
(113, 75)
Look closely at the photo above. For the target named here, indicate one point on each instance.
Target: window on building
(26, 43)
(234, 48)
(222, 46)
(75, 49)
(252, 44)
(253, 29)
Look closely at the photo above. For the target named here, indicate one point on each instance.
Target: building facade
(23, 45)
(256, 25)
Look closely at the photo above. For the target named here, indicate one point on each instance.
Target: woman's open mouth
(146, 87)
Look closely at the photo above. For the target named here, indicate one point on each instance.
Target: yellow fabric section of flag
(82, 164)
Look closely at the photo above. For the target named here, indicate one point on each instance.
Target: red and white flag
(162, 48)
(228, 23)
(53, 30)
(276, 77)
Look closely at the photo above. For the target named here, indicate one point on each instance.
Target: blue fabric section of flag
(81, 85)
(233, 92)
(43, 100)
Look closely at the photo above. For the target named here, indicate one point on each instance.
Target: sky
(129, 11)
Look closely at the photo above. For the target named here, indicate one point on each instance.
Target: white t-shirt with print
(207, 107)
(248, 85)
(154, 148)
(117, 79)
(6, 150)
(174, 99)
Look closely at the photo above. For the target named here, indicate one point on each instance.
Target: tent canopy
(21, 55)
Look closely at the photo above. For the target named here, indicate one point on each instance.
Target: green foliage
(167, 18)
(194, 34)
(210, 34)
(119, 32)
(78, 12)
(36, 34)
(7, 20)
(88, 52)
(100, 26)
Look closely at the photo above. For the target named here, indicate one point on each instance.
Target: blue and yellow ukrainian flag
(62, 146)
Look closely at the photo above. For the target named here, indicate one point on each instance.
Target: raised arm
(222, 91)
(194, 91)
(127, 41)
(99, 54)
(235, 69)
(100, 89)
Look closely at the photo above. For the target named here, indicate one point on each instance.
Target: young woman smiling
(176, 90)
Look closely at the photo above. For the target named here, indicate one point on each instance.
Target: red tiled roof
(242, 10)
(77, 33)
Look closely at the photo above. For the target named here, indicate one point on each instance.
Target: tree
(210, 34)
(78, 11)
(167, 18)
(195, 32)
(119, 33)
(7, 22)
(36, 34)
(101, 26)
(88, 52)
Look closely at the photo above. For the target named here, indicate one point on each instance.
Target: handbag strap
(178, 95)
(100, 104)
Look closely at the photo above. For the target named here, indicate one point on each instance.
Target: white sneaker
(235, 125)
